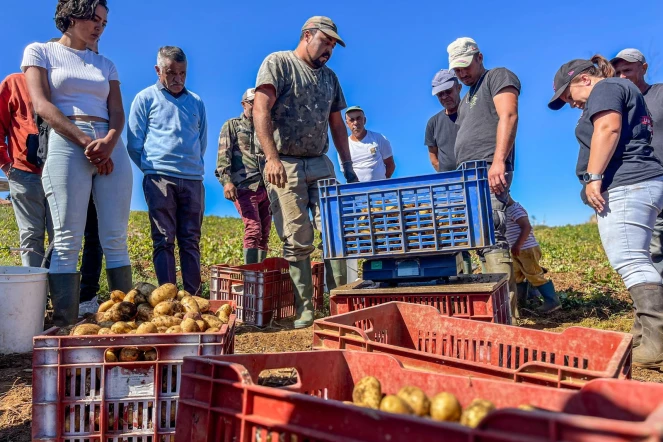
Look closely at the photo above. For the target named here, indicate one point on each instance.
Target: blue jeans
(69, 178)
(626, 226)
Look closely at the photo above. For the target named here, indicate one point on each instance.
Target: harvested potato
(85, 329)
(122, 311)
(166, 321)
(367, 393)
(99, 317)
(165, 308)
(121, 328)
(190, 326)
(144, 312)
(223, 319)
(416, 399)
(105, 331)
(166, 292)
(150, 355)
(131, 296)
(527, 407)
(445, 407)
(476, 412)
(213, 330)
(174, 329)
(106, 324)
(190, 305)
(394, 404)
(212, 321)
(145, 328)
(106, 306)
(192, 315)
(132, 332)
(110, 356)
(133, 325)
(162, 329)
(129, 354)
(202, 325)
(182, 294)
(203, 304)
(179, 315)
(225, 310)
(117, 296)
(145, 288)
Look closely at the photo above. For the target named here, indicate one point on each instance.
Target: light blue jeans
(68, 179)
(626, 226)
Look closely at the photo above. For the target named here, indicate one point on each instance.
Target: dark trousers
(93, 255)
(253, 207)
(175, 207)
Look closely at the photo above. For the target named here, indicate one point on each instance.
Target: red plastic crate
(74, 389)
(420, 337)
(222, 401)
(263, 291)
(477, 297)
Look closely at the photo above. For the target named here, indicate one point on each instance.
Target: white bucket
(23, 292)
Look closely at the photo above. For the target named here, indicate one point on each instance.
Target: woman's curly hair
(75, 9)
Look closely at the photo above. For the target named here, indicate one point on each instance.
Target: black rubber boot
(499, 261)
(251, 256)
(302, 281)
(648, 301)
(120, 278)
(65, 291)
(336, 273)
(636, 329)
(262, 255)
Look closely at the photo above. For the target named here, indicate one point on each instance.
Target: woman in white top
(77, 92)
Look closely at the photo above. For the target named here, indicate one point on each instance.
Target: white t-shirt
(78, 79)
(368, 156)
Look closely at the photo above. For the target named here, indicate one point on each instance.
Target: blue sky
(393, 51)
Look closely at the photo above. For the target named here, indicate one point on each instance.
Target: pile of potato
(149, 309)
(443, 407)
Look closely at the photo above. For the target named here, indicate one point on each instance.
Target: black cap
(563, 78)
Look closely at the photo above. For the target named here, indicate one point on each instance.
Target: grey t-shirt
(478, 118)
(654, 100)
(441, 133)
(305, 97)
(634, 160)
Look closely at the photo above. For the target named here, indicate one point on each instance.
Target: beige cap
(461, 52)
(324, 24)
(249, 95)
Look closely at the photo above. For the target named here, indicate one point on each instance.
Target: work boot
(120, 278)
(550, 298)
(65, 295)
(499, 261)
(467, 263)
(251, 256)
(302, 282)
(648, 300)
(262, 255)
(336, 273)
(636, 329)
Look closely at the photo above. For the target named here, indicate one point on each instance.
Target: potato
(202, 325)
(145, 288)
(179, 315)
(145, 328)
(106, 324)
(213, 330)
(122, 311)
(225, 310)
(527, 407)
(85, 329)
(445, 407)
(367, 393)
(164, 308)
(117, 296)
(476, 412)
(150, 355)
(133, 325)
(190, 326)
(99, 317)
(132, 332)
(212, 321)
(416, 399)
(131, 296)
(105, 331)
(129, 354)
(110, 356)
(182, 294)
(166, 321)
(106, 306)
(121, 328)
(223, 319)
(174, 329)
(192, 315)
(190, 305)
(203, 304)
(162, 329)
(394, 404)
(144, 312)
(166, 292)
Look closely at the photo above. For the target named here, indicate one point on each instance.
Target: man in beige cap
(487, 120)
(298, 99)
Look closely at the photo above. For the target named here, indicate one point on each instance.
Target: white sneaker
(86, 307)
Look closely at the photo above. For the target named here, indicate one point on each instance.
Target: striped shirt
(514, 212)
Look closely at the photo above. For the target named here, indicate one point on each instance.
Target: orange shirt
(16, 122)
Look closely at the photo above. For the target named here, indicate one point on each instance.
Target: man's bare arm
(265, 97)
(506, 106)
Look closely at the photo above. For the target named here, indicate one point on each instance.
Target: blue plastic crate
(428, 214)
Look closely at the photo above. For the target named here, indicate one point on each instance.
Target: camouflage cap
(324, 24)
(249, 95)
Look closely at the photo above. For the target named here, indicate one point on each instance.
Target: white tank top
(79, 80)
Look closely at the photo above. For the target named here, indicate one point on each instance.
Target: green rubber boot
(551, 301)
(262, 255)
(302, 281)
(467, 263)
(336, 273)
(499, 261)
(648, 300)
(251, 256)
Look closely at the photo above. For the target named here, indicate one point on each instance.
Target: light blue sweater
(168, 135)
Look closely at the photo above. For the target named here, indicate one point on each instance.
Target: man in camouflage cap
(298, 99)
(238, 172)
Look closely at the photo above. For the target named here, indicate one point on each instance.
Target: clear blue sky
(393, 51)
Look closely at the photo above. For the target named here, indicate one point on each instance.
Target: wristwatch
(589, 177)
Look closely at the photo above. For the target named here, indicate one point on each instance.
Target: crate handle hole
(278, 378)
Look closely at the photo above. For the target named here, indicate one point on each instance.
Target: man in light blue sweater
(167, 137)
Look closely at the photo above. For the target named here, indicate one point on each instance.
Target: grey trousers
(656, 245)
